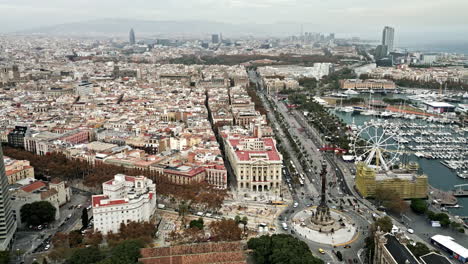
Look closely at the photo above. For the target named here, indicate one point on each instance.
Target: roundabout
(323, 225)
(342, 231)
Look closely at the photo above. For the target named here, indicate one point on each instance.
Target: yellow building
(358, 84)
(405, 181)
(17, 170)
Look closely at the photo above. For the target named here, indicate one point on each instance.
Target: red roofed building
(124, 199)
(17, 169)
(256, 163)
(55, 192)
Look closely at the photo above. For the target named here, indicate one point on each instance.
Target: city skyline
(318, 17)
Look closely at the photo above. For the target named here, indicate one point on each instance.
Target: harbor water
(439, 175)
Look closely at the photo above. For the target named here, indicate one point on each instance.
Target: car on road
(411, 231)
(284, 225)
(321, 251)
(296, 204)
(347, 246)
(47, 247)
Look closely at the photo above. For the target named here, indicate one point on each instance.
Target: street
(31, 243)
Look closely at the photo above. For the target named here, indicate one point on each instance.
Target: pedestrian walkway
(343, 236)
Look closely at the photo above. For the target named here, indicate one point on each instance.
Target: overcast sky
(439, 19)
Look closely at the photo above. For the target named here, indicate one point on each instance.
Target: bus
(302, 176)
(301, 182)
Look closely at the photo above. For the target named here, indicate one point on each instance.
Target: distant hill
(121, 27)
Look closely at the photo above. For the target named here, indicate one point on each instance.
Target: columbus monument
(322, 213)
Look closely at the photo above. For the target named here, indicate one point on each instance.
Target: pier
(459, 192)
(444, 198)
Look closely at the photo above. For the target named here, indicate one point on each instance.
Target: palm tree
(244, 221)
(237, 219)
(183, 210)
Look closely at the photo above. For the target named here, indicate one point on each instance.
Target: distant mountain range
(121, 27)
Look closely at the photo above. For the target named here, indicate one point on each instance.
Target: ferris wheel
(375, 144)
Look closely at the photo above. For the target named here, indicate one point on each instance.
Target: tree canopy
(4, 257)
(419, 206)
(89, 255)
(391, 200)
(418, 250)
(57, 165)
(225, 230)
(143, 231)
(38, 213)
(197, 223)
(281, 248)
(126, 252)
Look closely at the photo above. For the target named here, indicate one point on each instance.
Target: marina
(436, 142)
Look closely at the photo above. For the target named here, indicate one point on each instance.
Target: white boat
(369, 112)
(348, 109)
(350, 92)
(463, 175)
(386, 114)
(462, 108)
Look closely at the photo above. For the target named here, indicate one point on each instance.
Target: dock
(459, 191)
(444, 198)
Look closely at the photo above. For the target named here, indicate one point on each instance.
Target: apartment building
(125, 199)
(16, 170)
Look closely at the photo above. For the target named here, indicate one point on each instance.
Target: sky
(439, 20)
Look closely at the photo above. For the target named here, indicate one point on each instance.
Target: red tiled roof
(97, 199)
(33, 186)
(130, 178)
(244, 155)
(190, 173)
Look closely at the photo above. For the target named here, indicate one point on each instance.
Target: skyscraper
(387, 38)
(215, 38)
(131, 37)
(7, 221)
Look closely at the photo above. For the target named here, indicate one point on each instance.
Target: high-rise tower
(131, 36)
(388, 37)
(215, 38)
(7, 221)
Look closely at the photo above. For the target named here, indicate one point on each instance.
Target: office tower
(381, 51)
(7, 221)
(132, 37)
(17, 135)
(387, 37)
(215, 38)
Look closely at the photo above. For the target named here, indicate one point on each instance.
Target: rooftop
(434, 258)
(438, 104)
(34, 186)
(450, 243)
(399, 252)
